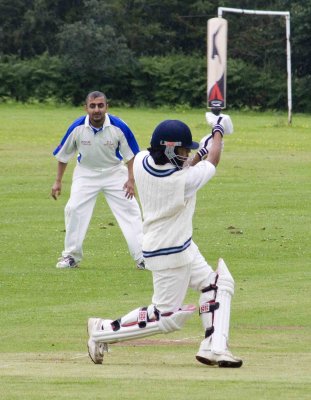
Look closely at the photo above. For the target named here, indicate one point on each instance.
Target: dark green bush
(253, 87)
(170, 80)
(24, 80)
(301, 94)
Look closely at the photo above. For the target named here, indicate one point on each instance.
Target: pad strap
(210, 306)
(212, 286)
(209, 331)
(142, 318)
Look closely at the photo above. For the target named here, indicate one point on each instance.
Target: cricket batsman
(167, 182)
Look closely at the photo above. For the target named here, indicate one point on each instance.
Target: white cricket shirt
(168, 197)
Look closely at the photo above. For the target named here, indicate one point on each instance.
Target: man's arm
(57, 186)
(211, 152)
(129, 185)
(204, 171)
(215, 151)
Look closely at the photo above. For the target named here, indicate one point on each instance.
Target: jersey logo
(108, 143)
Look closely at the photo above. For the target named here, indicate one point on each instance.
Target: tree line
(150, 53)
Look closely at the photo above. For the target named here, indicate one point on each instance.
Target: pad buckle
(209, 307)
(209, 332)
(212, 286)
(142, 318)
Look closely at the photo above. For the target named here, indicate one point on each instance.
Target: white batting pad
(226, 121)
(126, 333)
(225, 283)
(166, 324)
(177, 320)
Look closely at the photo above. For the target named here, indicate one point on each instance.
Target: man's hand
(56, 190)
(225, 121)
(129, 188)
(57, 187)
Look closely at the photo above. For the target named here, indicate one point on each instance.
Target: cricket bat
(217, 29)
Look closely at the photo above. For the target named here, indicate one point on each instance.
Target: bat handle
(216, 110)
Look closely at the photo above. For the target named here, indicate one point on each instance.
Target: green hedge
(171, 80)
(153, 81)
(39, 78)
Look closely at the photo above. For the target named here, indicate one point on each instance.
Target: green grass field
(255, 214)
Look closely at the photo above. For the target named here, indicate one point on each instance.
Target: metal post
(285, 14)
(289, 69)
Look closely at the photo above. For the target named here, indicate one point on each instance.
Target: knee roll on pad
(176, 320)
(225, 285)
(225, 280)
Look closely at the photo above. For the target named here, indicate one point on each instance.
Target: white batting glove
(205, 146)
(222, 119)
(202, 153)
(206, 142)
(218, 128)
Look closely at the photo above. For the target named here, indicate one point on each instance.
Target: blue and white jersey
(97, 149)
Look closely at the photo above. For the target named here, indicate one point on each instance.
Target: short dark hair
(94, 95)
(157, 153)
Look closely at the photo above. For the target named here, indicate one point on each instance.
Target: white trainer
(95, 349)
(67, 262)
(223, 359)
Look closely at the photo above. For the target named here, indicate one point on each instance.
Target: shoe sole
(205, 361)
(230, 364)
(221, 364)
(97, 359)
(67, 266)
(100, 358)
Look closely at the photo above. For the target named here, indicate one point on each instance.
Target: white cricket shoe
(96, 349)
(67, 262)
(223, 359)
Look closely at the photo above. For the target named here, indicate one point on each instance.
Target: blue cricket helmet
(174, 133)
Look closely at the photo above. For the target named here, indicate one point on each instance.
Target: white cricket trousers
(170, 285)
(86, 185)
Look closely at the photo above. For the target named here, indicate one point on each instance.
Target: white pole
(285, 14)
(256, 12)
(289, 69)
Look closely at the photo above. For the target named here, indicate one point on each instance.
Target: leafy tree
(301, 36)
(128, 47)
(159, 28)
(11, 31)
(28, 27)
(94, 55)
